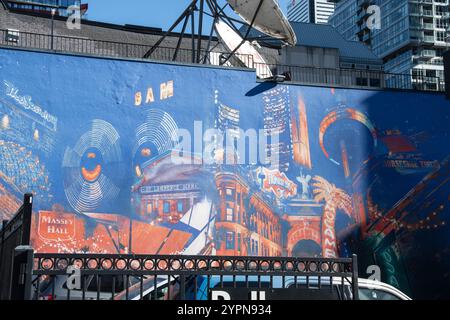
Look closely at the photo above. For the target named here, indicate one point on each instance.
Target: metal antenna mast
(202, 9)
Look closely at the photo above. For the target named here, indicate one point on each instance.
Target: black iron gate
(15, 253)
(129, 277)
(25, 275)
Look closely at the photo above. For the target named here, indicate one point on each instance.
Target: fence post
(26, 222)
(15, 263)
(22, 273)
(355, 277)
(2, 244)
(183, 287)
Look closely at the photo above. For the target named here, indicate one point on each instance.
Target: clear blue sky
(153, 13)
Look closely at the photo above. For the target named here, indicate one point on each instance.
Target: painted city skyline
(358, 171)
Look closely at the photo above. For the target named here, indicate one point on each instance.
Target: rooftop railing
(349, 78)
(66, 44)
(299, 74)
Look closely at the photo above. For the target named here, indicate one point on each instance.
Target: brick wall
(89, 30)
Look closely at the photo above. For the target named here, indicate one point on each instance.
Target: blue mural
(148, 158)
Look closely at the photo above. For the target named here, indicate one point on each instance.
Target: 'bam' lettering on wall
(166, 91)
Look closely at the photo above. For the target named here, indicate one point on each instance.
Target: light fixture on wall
(279, 78)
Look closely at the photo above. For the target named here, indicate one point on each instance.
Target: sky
(152, 13)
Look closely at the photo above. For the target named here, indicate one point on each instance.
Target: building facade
(411, 38)
(310, 11)
(247, 224)
(43, 6)
(19, 27)
(228, 124)
(276, 123)
(320, 46)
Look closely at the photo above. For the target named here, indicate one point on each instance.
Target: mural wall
(142, 158)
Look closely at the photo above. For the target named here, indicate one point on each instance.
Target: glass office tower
(310, 11)
(412, 37)
(43, 5)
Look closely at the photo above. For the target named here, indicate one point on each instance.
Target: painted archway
(307, 248)
(303, 229)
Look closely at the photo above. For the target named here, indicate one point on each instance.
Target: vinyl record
(154, 138)
(90, 168)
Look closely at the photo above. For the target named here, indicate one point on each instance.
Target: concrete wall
(311, 57)
(103, 143)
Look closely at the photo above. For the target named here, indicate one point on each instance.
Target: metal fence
(15, 38)
(353, 78)
(14, 233)
(25, 275)
(130, 277)
(300, 74)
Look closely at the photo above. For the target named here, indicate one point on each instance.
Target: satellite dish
(232, 40)
(269, 20)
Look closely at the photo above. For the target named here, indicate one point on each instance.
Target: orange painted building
(303, 228)
(169, 202)
(246, 224)
(300, 135)
(165, 193)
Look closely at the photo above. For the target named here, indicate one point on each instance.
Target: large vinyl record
(91, 168)
(154, 138)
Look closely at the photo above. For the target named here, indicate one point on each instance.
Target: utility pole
(53, 26)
